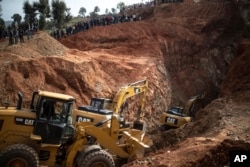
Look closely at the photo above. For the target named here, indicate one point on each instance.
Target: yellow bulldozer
(177, 116)
(101, 108)
(44, 135)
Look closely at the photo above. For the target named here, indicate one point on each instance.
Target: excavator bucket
(138, 142)
(126, 142)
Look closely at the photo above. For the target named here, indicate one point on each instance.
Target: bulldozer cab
(97, 111)
(54, 117)
(101, 103)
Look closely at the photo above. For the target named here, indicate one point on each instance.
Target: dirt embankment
(190, 44)
(182, 49)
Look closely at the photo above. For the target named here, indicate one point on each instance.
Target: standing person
(11, 40)
(21, 33)
(16, 36)
(29, 31)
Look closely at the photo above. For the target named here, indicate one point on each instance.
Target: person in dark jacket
(16, 36)
(11, 37)
(21, 33)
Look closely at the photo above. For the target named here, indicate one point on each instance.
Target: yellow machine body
(39, 136)
(101, 108)
(176, 116)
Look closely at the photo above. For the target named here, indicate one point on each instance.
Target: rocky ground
(182, 49)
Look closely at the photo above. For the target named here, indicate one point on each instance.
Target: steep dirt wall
(236, 85)
(200, 42)
(194, 41)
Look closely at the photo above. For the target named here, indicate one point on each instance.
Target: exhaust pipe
(20, 101)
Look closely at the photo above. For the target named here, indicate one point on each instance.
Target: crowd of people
(16, 34)
(147, 4)
(150, 3)
(85, 25)
(102, 21)
(108, 20)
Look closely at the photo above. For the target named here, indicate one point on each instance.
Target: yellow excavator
(44, 135)
(177, 116)
(101, 108)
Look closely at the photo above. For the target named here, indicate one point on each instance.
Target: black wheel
(98, 158)
(81, 155)
(19, 155)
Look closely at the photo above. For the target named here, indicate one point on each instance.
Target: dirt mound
(39, 46)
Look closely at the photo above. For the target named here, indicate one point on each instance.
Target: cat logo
(24, 121)
(83, 119)
(171, 120)
(29, 122)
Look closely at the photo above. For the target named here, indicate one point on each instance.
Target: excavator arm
(139, 87)
(189, 107)
(102, 108)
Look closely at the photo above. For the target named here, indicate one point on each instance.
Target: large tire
(81, 155)
(98, 158)
(19, 155)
